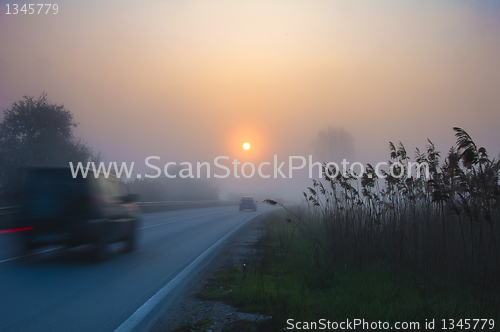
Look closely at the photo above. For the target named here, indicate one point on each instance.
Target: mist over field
(193, 80)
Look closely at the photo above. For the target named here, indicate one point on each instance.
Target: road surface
(65, 291)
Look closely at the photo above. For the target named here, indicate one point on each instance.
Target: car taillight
(16, 230)
(241, 202)
(253, 202)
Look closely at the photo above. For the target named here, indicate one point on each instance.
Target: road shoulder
(189, 308)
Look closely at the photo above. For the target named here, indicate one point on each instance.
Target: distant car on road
(59, 209)
(247, 202)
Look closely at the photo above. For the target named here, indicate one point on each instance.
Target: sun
(246, 145)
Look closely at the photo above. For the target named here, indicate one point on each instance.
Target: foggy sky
(190, 80)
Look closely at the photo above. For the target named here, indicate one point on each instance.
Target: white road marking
(35, 253)
(173, 221)
(149, 305)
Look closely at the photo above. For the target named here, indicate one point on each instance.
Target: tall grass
(443, 229)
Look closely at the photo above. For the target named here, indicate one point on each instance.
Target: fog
(193, 80)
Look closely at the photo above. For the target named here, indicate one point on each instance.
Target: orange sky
(195, 79)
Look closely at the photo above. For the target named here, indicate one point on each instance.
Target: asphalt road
(65, 291)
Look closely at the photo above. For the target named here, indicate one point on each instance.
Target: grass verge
(291, 279)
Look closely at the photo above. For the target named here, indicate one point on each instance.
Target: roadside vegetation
(401, 249)
(36, 132)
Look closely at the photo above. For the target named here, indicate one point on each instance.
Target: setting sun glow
(246, 146)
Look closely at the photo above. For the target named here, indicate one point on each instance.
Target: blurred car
(57, 208)
(247, 202)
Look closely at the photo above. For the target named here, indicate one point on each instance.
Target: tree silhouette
(36, 132)
(333, 144)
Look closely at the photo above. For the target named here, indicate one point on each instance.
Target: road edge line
(152, 302)
(32, 254)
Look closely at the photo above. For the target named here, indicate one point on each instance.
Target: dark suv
(247, 202)
(58, 208)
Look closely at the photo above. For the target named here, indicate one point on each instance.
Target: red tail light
(253, 202)
(16, 230)
(241, 202)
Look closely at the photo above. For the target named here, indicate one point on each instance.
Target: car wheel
(241, 209)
